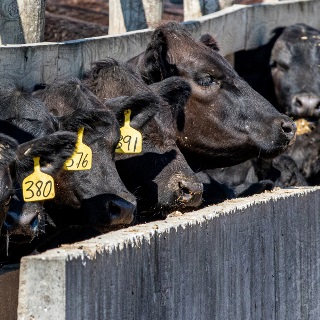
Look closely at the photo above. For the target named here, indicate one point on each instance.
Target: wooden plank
(236, 28)
(194, 9)
(130, 15)
(21, 21)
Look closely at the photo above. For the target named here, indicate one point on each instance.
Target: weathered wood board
(236, 28)
(21, 21)
(130, 15)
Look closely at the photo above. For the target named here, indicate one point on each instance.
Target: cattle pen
(250, 258)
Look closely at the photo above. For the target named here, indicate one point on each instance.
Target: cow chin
(271, 149)
(108, 210)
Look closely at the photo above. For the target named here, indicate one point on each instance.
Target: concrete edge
(145, 232)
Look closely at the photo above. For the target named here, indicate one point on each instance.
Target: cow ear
(53, 150)
(176, 92)
(8, 148)
(15, 132)
(94, 120)
(143, 107)
(209, 41)
(155, 66)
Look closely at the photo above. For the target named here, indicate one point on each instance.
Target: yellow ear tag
(82, 156)
(38, 185)
(130, 139)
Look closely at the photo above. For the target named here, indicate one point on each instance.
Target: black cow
(160, 174)
(20, 108)
(23, 118)
(25, 220)
(258, 175)
(295, 66)
(96, 196)
(224, 121)
(8, 148)
(285, 71)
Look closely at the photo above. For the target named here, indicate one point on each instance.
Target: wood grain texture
(247, 259)
(194, 9)
(130, 15)
(235, 28)
(21, 21)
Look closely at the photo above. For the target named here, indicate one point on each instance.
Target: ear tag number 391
(82, 156)
(130, 139)
(38, 185)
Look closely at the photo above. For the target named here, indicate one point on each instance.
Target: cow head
(225, 120)
(159, 176)
(25, 220)
(20, 108)
(96, 196)
(295, 66)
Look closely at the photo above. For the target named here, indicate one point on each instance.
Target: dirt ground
(76, 19)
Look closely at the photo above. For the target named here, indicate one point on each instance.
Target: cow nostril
(298, 103)
(190, 193)
(306, 102)
(184, 190)
(34, 222)
(288, 127)
(114, 208)
(10, 221)
(121, 211)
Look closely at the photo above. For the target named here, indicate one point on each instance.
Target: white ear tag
(38, 185)
(130, 139)
(82, 156)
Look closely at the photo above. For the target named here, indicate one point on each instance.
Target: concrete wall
(254, 258)
(236, 28)
(9, 288)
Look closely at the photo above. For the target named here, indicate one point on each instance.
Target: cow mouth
(20, 238)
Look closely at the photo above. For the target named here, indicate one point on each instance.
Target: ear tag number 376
(38, 185)
(82, 156)
(130, 139)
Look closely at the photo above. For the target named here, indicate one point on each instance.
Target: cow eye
(282, 66)
(205, 80)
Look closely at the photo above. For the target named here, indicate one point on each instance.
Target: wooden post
(130, 15)
(226, 3)
(21, 21)
(194, 9)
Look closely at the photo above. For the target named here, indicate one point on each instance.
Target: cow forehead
(204, 59)
(302, 49)
(300, 35)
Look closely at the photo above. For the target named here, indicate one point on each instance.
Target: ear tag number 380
(130, 139)
(82, 156)
(38, 185)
